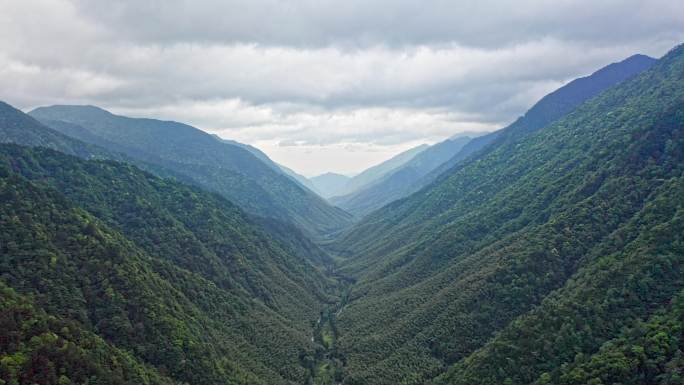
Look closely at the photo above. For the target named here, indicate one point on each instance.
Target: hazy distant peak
(468, 134)
(330, 184)
(331, 175)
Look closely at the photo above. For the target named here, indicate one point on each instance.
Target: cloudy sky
(320, 85)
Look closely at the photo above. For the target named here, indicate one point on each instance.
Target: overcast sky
(320, 85)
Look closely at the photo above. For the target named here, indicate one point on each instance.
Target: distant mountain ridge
(333, 186)
(330, 183)
(373, 174)
(200, 158)
(17, 127)
(401, 181)
(302, 180)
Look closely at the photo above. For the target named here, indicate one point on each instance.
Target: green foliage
(649, 352)
(179, 278)
(37, 348)
(619, 288)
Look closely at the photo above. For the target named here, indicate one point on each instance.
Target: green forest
(174, 277)
(141, 251)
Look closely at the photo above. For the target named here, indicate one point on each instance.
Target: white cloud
(376, 76)
(360, 23)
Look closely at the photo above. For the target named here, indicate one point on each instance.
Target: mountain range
(193, 156)
(399, 182)
(435, 160)
(141, 251)
(333, 185)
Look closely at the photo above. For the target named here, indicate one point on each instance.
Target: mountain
(551, 107)
(556, 256)
(302, 180)
(112, 275)
(447, 154)
(400, 182)
(199, 158)
(549, 252)
(329, 184)
(17, 127)
(372, 174)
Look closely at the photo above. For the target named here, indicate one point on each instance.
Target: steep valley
(140, 251)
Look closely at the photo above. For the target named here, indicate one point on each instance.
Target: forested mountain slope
(550, 108)
(38, 348)
(433, 162)
(302, 180)
(20, 128)
(400, 182)
(145, 277)
(199, 158)
(550, 252)
(536, 261)
(17, 127)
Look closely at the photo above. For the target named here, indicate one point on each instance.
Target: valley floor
(329, 364)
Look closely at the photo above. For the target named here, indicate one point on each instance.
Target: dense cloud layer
(306, 79)
(361, 23)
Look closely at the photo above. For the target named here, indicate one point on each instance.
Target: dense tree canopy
(180, 279)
